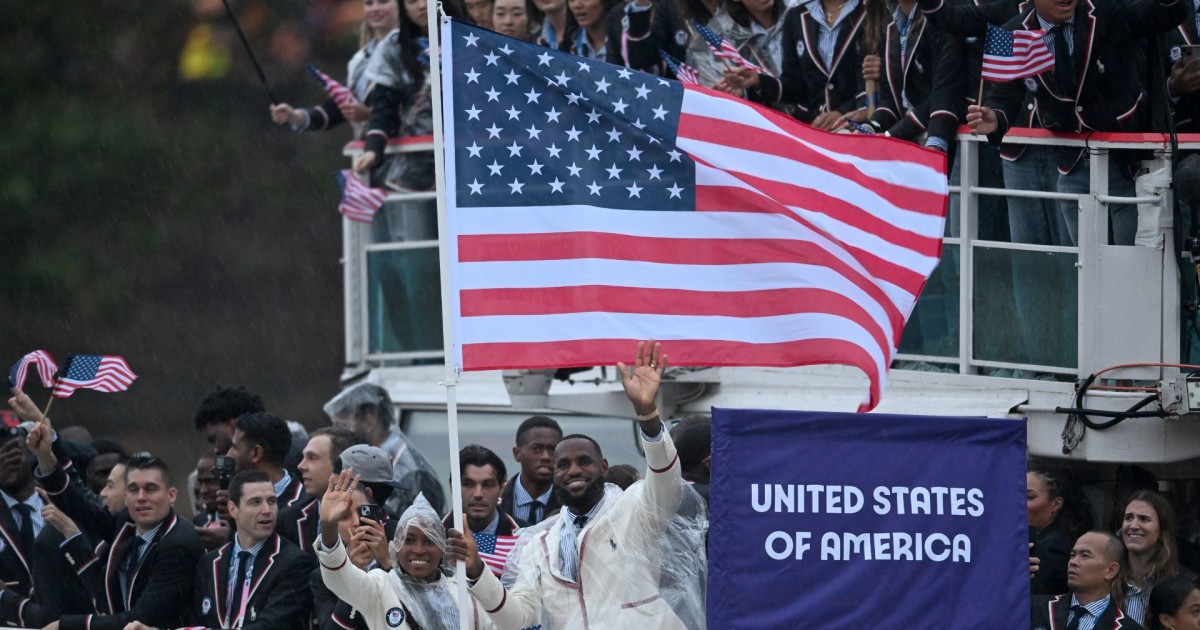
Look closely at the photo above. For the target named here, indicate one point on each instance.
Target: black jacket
(1051, 612)
(279, 596)
(1053, 548)
(1108, 93)
(163, 581)
(508, 503)
(1187, 108)
(805, 81)
(298, 525)
(920, 77)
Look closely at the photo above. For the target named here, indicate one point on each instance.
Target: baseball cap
(371, 463)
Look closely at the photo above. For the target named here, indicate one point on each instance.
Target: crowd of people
(1135, 571)
(348, 526)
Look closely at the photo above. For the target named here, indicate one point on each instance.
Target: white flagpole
(450, 378)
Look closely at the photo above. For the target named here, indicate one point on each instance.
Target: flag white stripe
(849, 234)
(754, 330)
(897, 172)
(708, 225)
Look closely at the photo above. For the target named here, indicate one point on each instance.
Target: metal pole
(262, 76)
(449, 300)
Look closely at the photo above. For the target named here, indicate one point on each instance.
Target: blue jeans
(993, 218)
(1043, 300)
(1122, 216)
(1034, 221)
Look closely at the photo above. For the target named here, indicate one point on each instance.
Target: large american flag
(41, 361)
(93, 371)
(1009, 55)
(340, 94)
(494, 550)
(591, 206)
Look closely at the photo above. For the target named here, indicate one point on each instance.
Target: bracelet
(649, 416)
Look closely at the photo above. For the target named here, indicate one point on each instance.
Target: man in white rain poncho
(367, 410)
(419, 592)
(611, 559)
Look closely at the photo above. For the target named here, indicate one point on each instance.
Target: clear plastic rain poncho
(674, 556)
(409, 467)
(431, 604)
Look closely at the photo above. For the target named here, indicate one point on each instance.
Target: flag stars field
(595, 111)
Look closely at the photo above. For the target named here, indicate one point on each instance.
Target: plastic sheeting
(678, 562)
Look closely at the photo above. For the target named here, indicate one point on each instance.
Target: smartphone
(371, 511)
(1189, 52)
(223, 468)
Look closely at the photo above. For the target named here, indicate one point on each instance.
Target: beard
(584, 501)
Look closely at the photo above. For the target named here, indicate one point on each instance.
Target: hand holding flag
(359, 201)
(722, 49)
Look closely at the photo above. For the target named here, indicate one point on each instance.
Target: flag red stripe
(894, 150)
(575, 245)
(720, 198)
(762, 141)
(838, 209)
(578, 299)
(683, 352)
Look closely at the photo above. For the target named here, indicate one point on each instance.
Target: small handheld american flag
(494, 550)
(102, 373)
(682, 71)
(341, 95)
(1009, 55)
(40, 359)
(722, 49)
(359, 201)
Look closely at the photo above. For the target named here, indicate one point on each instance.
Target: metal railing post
(968, 205)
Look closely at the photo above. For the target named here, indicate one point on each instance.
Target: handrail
(1093, 139)
(408, 144)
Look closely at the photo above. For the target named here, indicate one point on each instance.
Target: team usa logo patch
(1031, 84)
(1176, 53)
(799, 49)
(206, 605)
(681, 37)
(395, 617)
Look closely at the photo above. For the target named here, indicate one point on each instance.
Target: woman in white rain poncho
(419, 593)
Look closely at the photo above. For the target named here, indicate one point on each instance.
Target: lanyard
(241, 613)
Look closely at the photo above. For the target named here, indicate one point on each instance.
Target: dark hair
(623, 475)
(226, 403)
(268, 431)
(693, 440)
(105, 445)
(1075, 515)
(241, 479)
(580, 436)
(1164, 561)
(476, 455)
(536, 422)
(410, 31)
(340, 439)
(741, 14)
(1167, 598)
(146, 461)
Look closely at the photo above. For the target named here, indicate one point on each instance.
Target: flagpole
(450, 376)
(57, 377)
(262, 76)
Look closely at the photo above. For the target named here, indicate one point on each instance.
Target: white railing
(365, 330)
(1127, 297)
